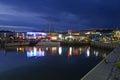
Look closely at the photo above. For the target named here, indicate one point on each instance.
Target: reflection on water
(60, 50)
(88, 51)
(35, 52)
(71, 51)
(65, 63)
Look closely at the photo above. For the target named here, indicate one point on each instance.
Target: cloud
(17, 28)
(10, 13)
(64, 14)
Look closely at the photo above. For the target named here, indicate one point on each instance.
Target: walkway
(105, 70)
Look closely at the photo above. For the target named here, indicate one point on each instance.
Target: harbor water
(48, 63)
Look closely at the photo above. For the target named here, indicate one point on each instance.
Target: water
(48, 63)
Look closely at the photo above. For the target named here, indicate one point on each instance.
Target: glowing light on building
(54, 38)
(70, 36)
(34, 35)
(4, 34)
(87, 33)
(37, 33)
(60, 35)
(17, 35)
(23, 35)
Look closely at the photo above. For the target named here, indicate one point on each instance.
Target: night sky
(59, 15)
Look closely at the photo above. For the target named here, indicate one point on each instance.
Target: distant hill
(5, 31)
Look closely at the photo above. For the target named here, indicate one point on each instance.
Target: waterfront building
(20, 35)
(116, 35)
(6, 34)
(70, 35)
(35, 35)
(53, 36)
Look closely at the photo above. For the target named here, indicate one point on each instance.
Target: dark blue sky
(60, 15)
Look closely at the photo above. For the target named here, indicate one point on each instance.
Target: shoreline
(103, 70)
(44, 44)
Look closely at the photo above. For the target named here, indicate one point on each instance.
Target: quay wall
(94, 44)
(74, 43)
(16, 44)
(48, 44)
(104, 45)
(103, 70)
(27, 44)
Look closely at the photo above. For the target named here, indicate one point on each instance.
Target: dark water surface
(48, 63)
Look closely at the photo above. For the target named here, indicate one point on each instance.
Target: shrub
(118, 64)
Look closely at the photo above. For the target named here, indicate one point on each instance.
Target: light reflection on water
(35, 52)
(64, 62)
(71, 51)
